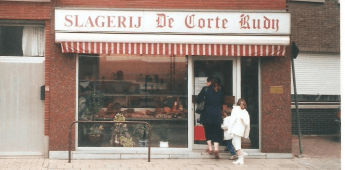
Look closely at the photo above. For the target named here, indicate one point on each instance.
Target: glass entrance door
(226, 69)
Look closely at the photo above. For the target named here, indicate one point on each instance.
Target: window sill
(321, 1)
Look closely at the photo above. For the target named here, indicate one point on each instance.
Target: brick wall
(26, 10)
(276, 110)
(60, 70)
(179, 4)
(63, 106)
(315, 26)
(48, 41)
(314, 121)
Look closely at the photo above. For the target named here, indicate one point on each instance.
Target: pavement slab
(319, 153)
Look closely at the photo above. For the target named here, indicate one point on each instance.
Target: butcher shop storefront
(145, 65)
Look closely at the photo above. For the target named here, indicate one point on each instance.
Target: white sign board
(191, 22)
(199, 83)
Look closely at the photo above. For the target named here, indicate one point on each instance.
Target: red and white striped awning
(109, 48)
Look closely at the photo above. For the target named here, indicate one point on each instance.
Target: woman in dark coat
(211, 117)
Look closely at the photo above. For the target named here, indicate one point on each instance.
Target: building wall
(57, 143)
(315, 27)
(18, 11)
(276, 112)
(61, 68)
(26, 10)
(178, 4)
(48, 53)
(315, 121)
(62, 97)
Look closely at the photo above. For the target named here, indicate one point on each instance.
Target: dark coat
(213, 105)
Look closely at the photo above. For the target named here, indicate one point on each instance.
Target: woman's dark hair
(209, 79)
(216, 84)
(240, 101)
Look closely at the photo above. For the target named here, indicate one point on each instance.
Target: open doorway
(239, 79)
(222, 69)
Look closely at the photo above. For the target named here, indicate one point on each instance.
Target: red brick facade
(178, 4)
(60, 72)
(47, 77)
(316, 26)
(26, 10)
(276, 110)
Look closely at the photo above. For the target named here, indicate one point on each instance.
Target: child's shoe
(244, 153)
(233, 157)
(239, 161)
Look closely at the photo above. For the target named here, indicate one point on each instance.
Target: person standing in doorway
(211, 117)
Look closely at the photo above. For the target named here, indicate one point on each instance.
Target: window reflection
(150, 88)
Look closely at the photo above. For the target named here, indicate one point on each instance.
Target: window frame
(23, 23)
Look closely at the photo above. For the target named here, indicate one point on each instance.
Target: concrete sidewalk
(320, 152)
(170, 164)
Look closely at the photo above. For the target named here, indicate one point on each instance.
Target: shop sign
(190, 22)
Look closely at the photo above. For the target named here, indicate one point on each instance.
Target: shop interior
(151, 88)
(133, 88)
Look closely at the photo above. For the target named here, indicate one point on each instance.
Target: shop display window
(150, 88)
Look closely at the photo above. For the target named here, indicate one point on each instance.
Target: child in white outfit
(227, 136)
(239, 126)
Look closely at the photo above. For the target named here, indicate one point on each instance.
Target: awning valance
(172, 49)
(160, 44)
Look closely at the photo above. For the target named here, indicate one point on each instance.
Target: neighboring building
(315, 28)
(144, 61)
(24, 63)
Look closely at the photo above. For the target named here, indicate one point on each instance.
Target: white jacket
(225, 125)
(238, 123)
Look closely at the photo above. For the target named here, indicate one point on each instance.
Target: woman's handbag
(201, 105)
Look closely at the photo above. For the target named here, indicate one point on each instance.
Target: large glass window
(250, 92)
(151, 88)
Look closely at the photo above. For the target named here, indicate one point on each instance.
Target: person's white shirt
(239, 122)
(226, 123)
